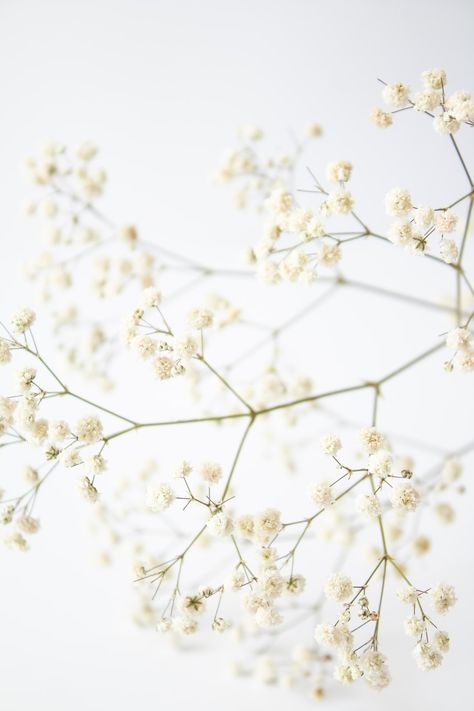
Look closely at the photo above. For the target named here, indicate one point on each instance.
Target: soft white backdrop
(161, 87)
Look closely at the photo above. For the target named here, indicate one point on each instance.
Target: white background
(162, 87)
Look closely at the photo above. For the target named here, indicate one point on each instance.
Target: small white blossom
(396, 95)
(22, 320)
(445, 124)
(87, 490)
(414, 626)
(159, 496)
(338, 587)
(381, 118)
(449, 251)
(398, 202)
(370, 439)
(380, 463)
(220, 525)
(369, 506)
(89, 429)
(330, 444)
(322, 495)
(200, 318)
(445, 221)
(210, 472)
(405, 497)
(426, 656)
(434, 78)
(442, 597)
(266, 617)
(267, 524)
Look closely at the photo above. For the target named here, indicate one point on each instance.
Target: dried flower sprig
(260, 553)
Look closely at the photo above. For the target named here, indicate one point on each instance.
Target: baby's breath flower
(451, 471)
(441, 641)
(234, 581)
(187, 345)
(27, 524)
(159, 496)
(381, 118)
(380, 463)
(185, 625)
(268, 272)
(449, 251)
(128, 234)
(87, 490)
(313, 130)
(339, 171)
(182, 469)
(426, 100)
(445, 512)
(340, 202)
(423, 216)
(164, 625)
(210, 472)
(6, 515)
(271, 583)
(295, 584)
(338, 587)
(414, 626)
(405, 497)
(200, 318)
(465, 360)
(401, 233)
(71, 457)
(266, 617)
(369, 506)
(58, 430)
(29, 474)
(5, 353)
(89, 429)
(95, 464)
(442, 597)
(280, 201)
(398, 202)
(163, 367)
(245, 526)
(192, 605)
(220, 525)
(434, 78)
(321, 495)
(145, 346)
(370, 439)
(426, 656)
(22, 320)
(459, 339)
(374, 666)
(408, 595)
(86, 151)
(445, 221)
(338, 636)
(396, 95)
(445, 124)
(330, 444)
(220, 625)
(421, 545)
(25, 377)
(267, 524)
(151, 297)
(16, 541)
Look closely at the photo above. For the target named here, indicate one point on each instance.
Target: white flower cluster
(461, 341)
(416, 225)
(448, 112)
(428, 654)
